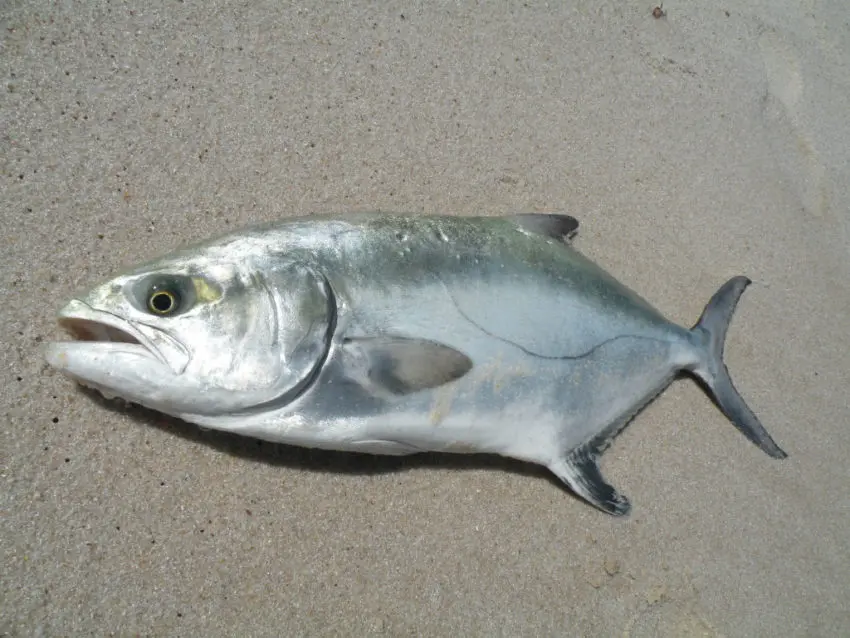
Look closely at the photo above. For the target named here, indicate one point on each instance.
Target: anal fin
(388, 448)
(580, 471)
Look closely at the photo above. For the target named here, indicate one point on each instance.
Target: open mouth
(89, 330)
(118, 357)
(104, 330)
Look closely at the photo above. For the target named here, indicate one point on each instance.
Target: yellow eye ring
(162, 302)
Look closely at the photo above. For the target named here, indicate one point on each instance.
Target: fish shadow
(317, 460)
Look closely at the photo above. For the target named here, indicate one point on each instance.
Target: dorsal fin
(560, 227)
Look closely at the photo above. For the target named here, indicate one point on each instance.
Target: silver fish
(395, 334)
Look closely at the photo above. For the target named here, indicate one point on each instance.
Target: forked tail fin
(710, 335)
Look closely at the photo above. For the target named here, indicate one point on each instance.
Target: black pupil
(162, 302)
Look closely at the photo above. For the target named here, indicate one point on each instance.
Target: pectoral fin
(580, 471)
(399, 366)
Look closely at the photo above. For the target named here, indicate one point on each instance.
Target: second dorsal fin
(560, 227)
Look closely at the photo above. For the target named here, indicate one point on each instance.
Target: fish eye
(163, 294)
(163, 301)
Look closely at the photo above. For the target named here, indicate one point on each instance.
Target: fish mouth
(89, 330)
(105, 331)
(117, 357)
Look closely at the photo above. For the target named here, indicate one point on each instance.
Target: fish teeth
(106, 394)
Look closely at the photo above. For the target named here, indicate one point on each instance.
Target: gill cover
(278, 347)
(304, 311)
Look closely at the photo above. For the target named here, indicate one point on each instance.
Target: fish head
(216, 333)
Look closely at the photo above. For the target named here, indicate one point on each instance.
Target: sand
(711, 142)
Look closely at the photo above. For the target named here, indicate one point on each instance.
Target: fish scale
(398, 334)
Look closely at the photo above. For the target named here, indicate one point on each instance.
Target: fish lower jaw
(120, 400)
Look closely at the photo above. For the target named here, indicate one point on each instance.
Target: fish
(396, 334)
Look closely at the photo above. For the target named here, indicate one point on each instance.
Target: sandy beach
(709, 142)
